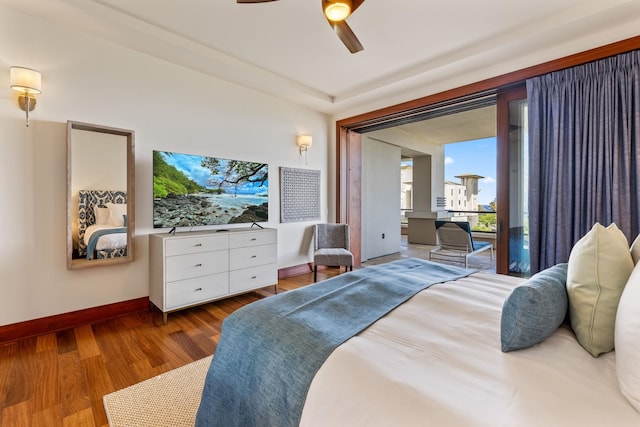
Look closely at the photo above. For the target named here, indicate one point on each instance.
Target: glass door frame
(503, 174)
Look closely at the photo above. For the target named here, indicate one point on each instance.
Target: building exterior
(463, 196)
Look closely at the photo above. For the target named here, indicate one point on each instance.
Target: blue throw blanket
(270, 350)
(95, 236)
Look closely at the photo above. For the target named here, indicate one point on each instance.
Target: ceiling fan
(336, 11)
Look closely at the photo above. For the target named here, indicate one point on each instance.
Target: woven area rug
(167, 400)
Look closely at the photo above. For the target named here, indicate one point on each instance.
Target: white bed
(107, 241)
(100, 210)
(436, 361)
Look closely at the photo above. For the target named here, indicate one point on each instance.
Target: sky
(191, 166)
(473, 157)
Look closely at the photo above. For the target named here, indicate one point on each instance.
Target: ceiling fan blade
(348, 37)
(254, 1)
(355, 4)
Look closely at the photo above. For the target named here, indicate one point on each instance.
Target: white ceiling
(412, 48)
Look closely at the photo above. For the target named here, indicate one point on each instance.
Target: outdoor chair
(455, 243)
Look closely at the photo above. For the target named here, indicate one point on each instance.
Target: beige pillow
(116, 213)
(635, 250)
(599, 266)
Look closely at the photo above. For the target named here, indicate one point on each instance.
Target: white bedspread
(108, 241)
(436, 361)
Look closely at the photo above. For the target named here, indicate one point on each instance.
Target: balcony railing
(480, 221)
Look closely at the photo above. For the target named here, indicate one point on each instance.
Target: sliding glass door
(513, 167)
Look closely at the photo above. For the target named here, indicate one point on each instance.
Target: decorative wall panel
(299, 195)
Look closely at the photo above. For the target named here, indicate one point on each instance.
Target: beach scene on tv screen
(191, 190)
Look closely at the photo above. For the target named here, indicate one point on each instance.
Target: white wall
(380, 198)
(169, 108)
(403, 139)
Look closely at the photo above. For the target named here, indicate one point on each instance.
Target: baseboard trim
(58, 322)
(295, 270)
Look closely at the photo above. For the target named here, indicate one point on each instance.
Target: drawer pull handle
(198, 289)
(254, 277)
(254, 256)
(198, 244)
(198, 265)
(254, 239)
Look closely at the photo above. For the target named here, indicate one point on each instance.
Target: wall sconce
(304, 142)
(28, 83)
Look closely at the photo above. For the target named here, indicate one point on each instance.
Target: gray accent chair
(331, 244)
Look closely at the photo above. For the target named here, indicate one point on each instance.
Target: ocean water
(241, 201)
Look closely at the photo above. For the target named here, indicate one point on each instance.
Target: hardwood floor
(59, 379)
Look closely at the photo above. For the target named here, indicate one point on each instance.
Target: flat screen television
(191, 190)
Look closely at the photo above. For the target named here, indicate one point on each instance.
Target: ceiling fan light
(337, 10)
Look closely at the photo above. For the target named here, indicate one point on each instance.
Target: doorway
(479, 118)
(420, 185)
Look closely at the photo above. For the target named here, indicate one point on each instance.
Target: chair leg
(315, 273)
(350, 268)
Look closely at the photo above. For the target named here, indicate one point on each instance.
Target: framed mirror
(100, 195)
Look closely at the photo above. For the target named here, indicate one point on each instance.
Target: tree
(169, 180)
(488, 221)
(236, 172)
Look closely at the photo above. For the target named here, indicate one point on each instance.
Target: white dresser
(192, 268)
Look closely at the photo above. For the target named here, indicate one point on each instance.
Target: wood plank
(84, 418)
(45, 378)
(87, 345)
(66, 341)
(16, 415)
(47, 417)
(46, 342)
(72, 384)
(20, 381)
(7, 358)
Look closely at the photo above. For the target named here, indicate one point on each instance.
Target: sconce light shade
(337, 10)
(25, 80)
(304, 142)
(28, 83)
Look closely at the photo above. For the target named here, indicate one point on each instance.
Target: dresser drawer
(190, 245)
(253, 278)
(252, 256)
(180, 267)
(193, 291)
(253, 238)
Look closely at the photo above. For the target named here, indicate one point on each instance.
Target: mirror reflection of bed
(100, 216)
(102, 224)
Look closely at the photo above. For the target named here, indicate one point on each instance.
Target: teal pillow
(535, 309)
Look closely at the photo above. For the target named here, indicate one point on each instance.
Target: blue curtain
(584, 154)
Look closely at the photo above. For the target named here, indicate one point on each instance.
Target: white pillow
(627, 339)
(101, 214)
(599, 266)
(117, 211)
(635, 250)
